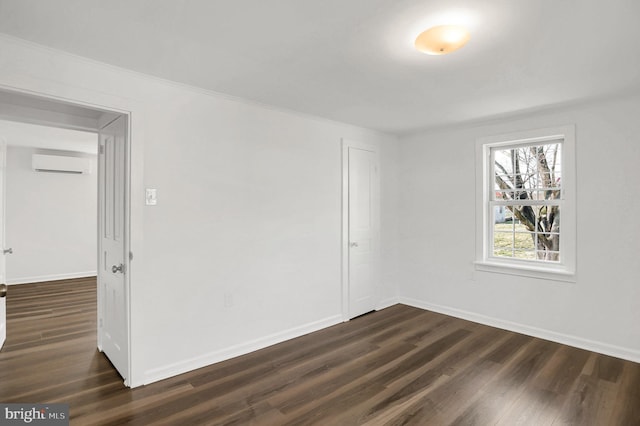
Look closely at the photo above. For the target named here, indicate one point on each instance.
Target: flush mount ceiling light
(442, 39)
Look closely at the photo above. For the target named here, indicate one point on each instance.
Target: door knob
(118, 268)
(3, 290)
(7, 251)
(353, 244)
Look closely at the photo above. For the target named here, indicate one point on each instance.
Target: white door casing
(361, 213)
(119, 107)
(113, 329)
(3, 272)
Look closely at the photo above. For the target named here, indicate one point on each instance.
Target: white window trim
(564, 270)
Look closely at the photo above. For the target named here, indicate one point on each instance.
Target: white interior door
(362, 213)
(113, 333)
(3, 272)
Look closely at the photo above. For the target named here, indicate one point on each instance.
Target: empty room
(337, 213)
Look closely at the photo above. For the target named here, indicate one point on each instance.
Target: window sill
(530, 271)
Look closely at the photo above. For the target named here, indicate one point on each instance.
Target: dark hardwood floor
(398, 366)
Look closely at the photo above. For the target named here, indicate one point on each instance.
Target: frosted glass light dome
(442, 39)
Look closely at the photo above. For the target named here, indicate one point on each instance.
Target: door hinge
(130, 256)
(101, 149)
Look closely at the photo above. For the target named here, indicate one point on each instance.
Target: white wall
(248, 208)
(389, 217)
(600, 311)
(50, 220)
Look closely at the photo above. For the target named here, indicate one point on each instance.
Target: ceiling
(353, 60)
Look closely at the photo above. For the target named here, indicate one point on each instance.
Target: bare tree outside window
(526, 201)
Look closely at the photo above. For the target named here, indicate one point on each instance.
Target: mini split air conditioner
(60, 164)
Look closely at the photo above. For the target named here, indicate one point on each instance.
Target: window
(527, 184)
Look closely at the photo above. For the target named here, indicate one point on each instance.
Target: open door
(3, 274)
(113, 329)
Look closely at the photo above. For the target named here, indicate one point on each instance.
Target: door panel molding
(113, 286)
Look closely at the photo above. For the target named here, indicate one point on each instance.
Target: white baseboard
(55, 277)
(387, 303)
(181, 367)
(566, 339)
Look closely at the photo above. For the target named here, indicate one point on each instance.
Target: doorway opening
(50, 203)
(111, 145)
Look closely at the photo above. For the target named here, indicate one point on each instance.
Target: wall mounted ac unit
(60, 164)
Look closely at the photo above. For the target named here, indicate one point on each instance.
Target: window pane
(527, 232)
(500, 214)
(548, 256)
(510, 237)
(504, 195)
(503, 244)
(525, 254)
(524, 240)
(508, 214)
(503, 159)
(531, 173)
(528, 167)
(548, 247)
(547, 218)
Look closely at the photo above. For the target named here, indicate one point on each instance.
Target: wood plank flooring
(398, 366)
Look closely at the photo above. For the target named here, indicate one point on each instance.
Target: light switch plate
(151, 197)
